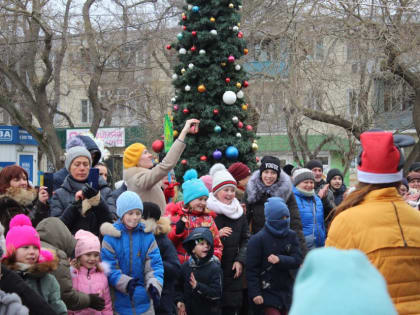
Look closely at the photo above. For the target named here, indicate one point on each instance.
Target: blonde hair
(77, 264)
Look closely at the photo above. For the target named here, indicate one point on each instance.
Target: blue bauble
(195, 8)
(217, 155)
(232, 153)
(217, 129)
(179, 36)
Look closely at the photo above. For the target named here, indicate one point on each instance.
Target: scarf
(233, 211)
(306, 193)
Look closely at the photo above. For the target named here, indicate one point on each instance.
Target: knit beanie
(332, 173)
(74, 153)
(270, 162)
(415, 167)
(302, 174)
(208, 181)
(314, 163)
(132, 154)
(349, 283)
(86, 243)
(288, 168)
(21, 233)
(128, 201)
(239, 171)
(412, 176)
(151, 210)
(221, 178)
(88, 143)
(193, 188)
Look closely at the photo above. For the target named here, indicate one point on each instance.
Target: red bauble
(227, 80)
(184, 162)
(203, 158)
(249, 127)
(194, 33)
(231, 59)
(257, 159)
(184, 28)
(186, 111)
(245, 84)
(216, 111)
(168, 47)
(193, 48)
(240, 124)
(184, 17)
(240, 35)
(158, 145)
(176, 107)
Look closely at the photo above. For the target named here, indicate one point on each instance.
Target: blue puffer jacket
(131, 254)
(306, 205)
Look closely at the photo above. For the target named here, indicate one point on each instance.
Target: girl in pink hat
(88, 274)
(25, 256)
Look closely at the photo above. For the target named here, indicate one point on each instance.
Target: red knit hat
(380, 160)
(21, 233)
(239, 171)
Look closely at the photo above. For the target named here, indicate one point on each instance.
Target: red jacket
(194, 219)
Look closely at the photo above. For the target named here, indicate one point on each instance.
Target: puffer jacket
(132, 254)
(56, 236)
(194, 219)
(387, 230)
(92, 281)
(307, 206)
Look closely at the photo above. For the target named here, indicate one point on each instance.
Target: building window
(87, 114)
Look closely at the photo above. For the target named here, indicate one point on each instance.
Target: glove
(180, 226)
(154, 294)
(88, 191)
(169, 191)
(131, 287)
(96, 302)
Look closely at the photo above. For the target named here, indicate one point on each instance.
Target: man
(321, 186)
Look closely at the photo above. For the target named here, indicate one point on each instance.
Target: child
(192, 213)
(272, 253)
(25, 256)
(201, 276)
(88, 275)
(234, 233)
(134, 259)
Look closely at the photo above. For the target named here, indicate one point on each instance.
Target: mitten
(88, 191)
(154, 294)
(92, 197)
(180, 226)
(131, 287)
(96, 302)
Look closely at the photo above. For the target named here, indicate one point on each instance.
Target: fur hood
(115, 229)
(256, 189)
(163, 226)
(24, 197)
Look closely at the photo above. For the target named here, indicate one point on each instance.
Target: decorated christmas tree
(209, 85)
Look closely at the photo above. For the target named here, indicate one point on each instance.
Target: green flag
(169, 132)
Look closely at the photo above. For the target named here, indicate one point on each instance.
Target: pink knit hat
(21, 233)
(86, 243)
(207, 180)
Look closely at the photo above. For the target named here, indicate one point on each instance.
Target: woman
(376, 220)
(310, 208)
(18, 197)
(270, 181)
(76, 203)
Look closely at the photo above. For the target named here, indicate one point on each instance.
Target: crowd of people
(235, 241)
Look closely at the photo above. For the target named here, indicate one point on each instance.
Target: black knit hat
(288, 168)
(151, 210)
(270, 162)
(334, 172)
(314, 163)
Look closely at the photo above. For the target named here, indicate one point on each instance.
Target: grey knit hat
(75, 152)
(302, 174)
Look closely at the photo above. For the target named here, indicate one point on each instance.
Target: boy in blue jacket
(134, 259)
(272, 254)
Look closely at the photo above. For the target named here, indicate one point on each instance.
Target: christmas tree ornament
(217, 155)
(175, 133)
(173, 99)
(238, 135)
(229, 97)
(231, 59)
(191, 66)
(240, 124)
(213, 32)
(249, 127)
(193, 48)
(231, 6)
(239, 24)
(217, 129)
(176, 107)
(194, 33)
(254, 146)
(187, 88)
(235, 119)
(182, 51)
(216, 111)
(186, 111)
(246, 51)
(184, 17)
(237, 67)
(232, 152)
(157, 146)
(212, 19)
(246, 84)
(240, 94)
(201, 88)
(190, 6)
(203, 158)
(183, 70)
(174, 76)
(223, 64)
(238, 85)
(244, 106)
(184, 162)
(202, 52)
(168, 47)
(184, 27)
(240, 35)
(179, 36)
(195, 9)
(227, 80)
(235, 28)
(240, 7)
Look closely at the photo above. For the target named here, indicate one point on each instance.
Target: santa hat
(21, 233)
(221, 178)
(86, 243)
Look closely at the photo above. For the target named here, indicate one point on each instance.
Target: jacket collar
(256, 189)
(384, 194)
(22, 196)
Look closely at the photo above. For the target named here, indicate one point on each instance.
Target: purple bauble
(217, 155)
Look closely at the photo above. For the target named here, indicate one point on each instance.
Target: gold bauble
(175, 133)
(183, 70)
(254, 146)
(223, 64)
(212, 19)
(201, 88)
(239, 24)
(246, 51)
(244, 106)
(231, 5)
(238, 85)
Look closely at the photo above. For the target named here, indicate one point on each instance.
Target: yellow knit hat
(132, 154)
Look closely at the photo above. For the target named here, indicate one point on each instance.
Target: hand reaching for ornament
(191, 126)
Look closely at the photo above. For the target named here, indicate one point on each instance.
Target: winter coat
(234, 249)
(306, 208)
(63, 205)
(91, 281)
(146, 182)
(132, 254)
(55, 235)
(39, 279)
(337, 195)
(171, 265)
(21, 201)
(387, 230)
(273, 282)
(11, 304)
(10, 282)
(59, 177)
(256, 196)
(194, 219)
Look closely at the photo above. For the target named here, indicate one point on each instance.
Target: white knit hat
(221, 178)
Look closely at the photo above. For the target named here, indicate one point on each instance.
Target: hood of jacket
(189, 244)
(37, 270)
(21, 196)
(54, 232)
(256, 189)
(160, 227)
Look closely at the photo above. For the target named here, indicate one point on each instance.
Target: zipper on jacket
(399, 224)
(130, 269)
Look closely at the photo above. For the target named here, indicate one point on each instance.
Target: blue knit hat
(275, 209)
(127, 201)
(349, 283)
(193, 188)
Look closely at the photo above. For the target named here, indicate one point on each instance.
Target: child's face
(89, 260)
(132, 218)
(198, 204)
(201, 249)
(226, 195)
(28, 254)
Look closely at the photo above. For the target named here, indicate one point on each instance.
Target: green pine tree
(209, 48)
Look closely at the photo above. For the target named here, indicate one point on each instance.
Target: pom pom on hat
(132, 154)
(193, 187)
(190, 174)
(20, 220)
(21, 233)
(87, 242)
(45, 256)
(221, 178)
(216, 168)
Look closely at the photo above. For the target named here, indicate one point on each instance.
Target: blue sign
(4, 164)
(16, 135)
(26, 161)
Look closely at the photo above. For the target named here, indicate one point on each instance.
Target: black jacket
(117, 192)
(234, 249)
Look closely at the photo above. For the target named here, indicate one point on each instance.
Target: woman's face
(226, 195)
(307, 185)
(19, 182)
(198, 204)
(79, 168)
(269, 177)
(336, 182)
(146, 160)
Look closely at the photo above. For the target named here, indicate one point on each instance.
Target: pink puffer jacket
(90, 282)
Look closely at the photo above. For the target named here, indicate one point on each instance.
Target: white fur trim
(374, 178)
(108, 229)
